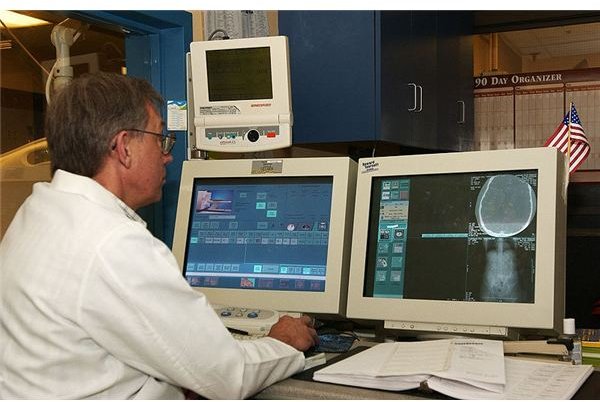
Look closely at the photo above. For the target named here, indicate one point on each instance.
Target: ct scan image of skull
(505, 207)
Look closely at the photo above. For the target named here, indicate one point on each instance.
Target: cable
(23, 47)
(216, 31)
(49, 82)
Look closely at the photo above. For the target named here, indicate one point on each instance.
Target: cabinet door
(332, 65)
(396, 73)
(455, 88)
(424, 52)
(408, 79)
(465, 83)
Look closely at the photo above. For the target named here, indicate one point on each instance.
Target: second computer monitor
(469, 242)
(271, 234)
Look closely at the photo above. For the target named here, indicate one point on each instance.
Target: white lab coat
(94, 306)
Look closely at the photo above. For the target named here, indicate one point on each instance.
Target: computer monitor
(469, 243)
(267, 234)
(241, 94)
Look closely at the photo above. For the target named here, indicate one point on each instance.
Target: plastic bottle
(569, 331)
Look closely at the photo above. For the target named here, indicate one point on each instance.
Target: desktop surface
(301, 386)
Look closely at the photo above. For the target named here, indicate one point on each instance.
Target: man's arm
(138, 307)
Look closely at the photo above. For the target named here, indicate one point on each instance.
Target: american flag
(579, 147)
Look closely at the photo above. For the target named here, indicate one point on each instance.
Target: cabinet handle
(461, 105)
(420, 98)
(414, 86)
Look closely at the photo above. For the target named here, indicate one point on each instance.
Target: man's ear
(121, 148)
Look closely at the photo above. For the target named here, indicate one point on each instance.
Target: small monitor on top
(267, 234)
(240, 94)
(469, 243)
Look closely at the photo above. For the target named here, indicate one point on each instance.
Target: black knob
(252, 135)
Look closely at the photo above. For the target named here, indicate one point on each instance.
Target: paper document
(525, 379)
(404, 365)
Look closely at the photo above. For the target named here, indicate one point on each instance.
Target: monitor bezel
(330, 302)
(547, 310)
(248, 109)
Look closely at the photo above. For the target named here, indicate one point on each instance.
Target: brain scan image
(505, 207)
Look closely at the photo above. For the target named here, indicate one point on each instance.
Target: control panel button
(252, 135)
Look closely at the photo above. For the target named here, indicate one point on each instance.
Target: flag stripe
(578, 137)
(560, 130)
(579, 157)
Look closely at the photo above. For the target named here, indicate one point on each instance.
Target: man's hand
(296, 332)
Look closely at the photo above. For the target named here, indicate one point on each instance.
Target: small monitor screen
(259, 233)
(453, 236)
(239, 74)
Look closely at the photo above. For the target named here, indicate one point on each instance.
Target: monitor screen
(459, 236)
(469, 242)
(270, 234)
(238, 74)
(259, 233)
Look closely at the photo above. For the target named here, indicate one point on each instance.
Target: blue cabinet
(455, 80)
(332, 63)
(378, 76)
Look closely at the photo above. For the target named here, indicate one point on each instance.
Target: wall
(508, 60)
(524, 115)
(492, 55)
(559, 63)
(198, 24)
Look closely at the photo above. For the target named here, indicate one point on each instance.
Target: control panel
(243, 138)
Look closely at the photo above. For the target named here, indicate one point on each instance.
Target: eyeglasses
(166, 142)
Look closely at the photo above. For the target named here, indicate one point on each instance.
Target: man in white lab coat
(94, 306)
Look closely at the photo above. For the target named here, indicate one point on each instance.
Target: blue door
(155, 46)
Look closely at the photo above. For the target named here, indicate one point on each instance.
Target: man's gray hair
(84, 117)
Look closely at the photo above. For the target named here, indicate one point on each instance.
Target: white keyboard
(250, 320)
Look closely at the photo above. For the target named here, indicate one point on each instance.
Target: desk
(298, 389)
(301, 386)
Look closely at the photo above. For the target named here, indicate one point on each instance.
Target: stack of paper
(460, 368)
(525, 379)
